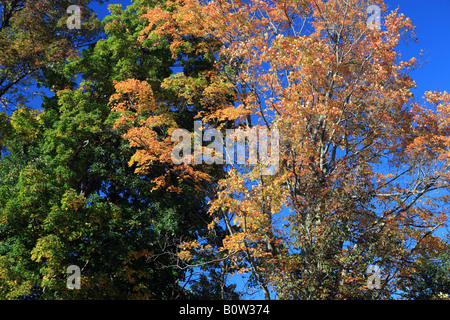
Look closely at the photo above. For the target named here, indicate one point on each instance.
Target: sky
(432, 21)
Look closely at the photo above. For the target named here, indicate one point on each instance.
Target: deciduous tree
(35, 41)
(69, 196)
(363, 166)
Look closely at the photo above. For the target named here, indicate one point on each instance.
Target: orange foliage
(358, 163)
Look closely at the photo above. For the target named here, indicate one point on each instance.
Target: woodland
(87, 177)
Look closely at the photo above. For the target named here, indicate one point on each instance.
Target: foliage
(430, 279)
(363, 166)
(35, 42)
(70, 197)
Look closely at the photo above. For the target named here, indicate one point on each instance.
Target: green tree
(430, 279)
(69, 196)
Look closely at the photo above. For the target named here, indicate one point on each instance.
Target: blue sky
(432, 21)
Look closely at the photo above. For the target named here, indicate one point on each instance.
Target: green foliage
(430, 279)
(68, 195)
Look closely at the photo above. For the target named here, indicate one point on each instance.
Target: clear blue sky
(432, 21)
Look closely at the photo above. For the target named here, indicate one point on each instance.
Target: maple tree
(363, 166)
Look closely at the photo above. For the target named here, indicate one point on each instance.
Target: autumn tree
(148, 109)
(35, 41)
(363, 165)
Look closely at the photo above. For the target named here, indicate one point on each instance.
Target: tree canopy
(89, 179)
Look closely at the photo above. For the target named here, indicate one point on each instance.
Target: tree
(148, 110)
(362, 177)
(430, 279)
(363, 166)
(35, 41)
(68, 195)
